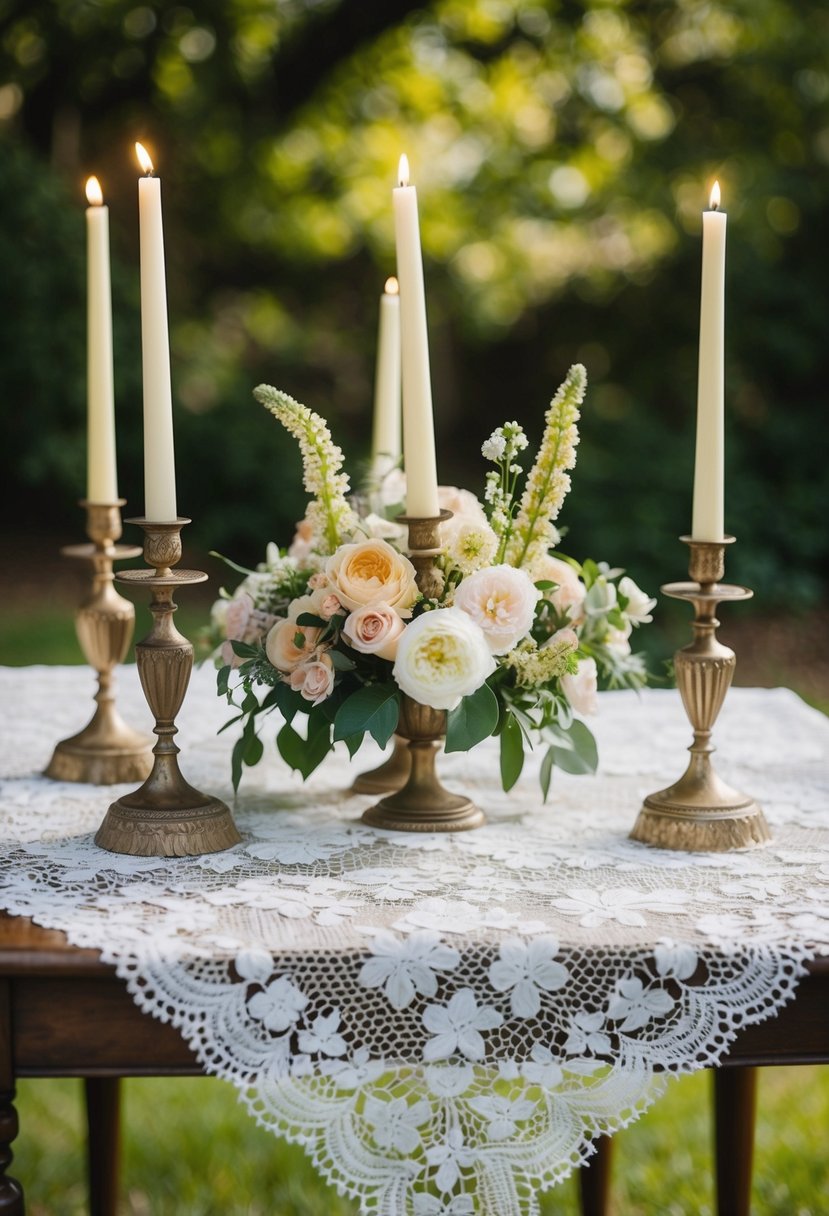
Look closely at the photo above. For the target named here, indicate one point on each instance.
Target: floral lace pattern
(445, 1023)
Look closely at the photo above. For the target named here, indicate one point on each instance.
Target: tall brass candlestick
(106, 751)
(700, 812)
(422, 804)
(166, 817)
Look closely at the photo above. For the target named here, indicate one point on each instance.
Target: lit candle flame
(403, 170)
(715, 197)
(94, 193)
(392, 287)
(144, 159)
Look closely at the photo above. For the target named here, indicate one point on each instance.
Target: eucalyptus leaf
(374, 708)
(580, 755)
(512, 752)
(243, 650)
(473, 720)
(545, 773)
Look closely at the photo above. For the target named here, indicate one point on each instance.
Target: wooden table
(64, 1013)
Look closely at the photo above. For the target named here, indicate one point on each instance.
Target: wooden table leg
(735, 1095)
(103, 1116)
(594, 1179)
(11, 1192)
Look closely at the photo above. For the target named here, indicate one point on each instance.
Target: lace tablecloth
(445, 1023)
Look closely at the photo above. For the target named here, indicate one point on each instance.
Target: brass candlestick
(106, 751)
(700, 812)
(166, 817)
(422, 804)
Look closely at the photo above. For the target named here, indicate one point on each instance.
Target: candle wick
(715, 206)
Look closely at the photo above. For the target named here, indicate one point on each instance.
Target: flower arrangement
(514, 641)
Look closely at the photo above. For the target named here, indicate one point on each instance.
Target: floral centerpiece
(512, 638)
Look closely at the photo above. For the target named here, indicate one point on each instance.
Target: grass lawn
(190, 1150)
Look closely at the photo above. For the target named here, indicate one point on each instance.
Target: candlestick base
(423, 805)
(106, 751)
(700, 812)
(166, 817)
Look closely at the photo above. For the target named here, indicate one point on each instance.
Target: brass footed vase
(107, 751)
(700, 812)
(423, 805)
(166, 817)
(420, 803)
(389, 776)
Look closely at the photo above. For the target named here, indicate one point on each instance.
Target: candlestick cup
(166, 817)
(700, 812)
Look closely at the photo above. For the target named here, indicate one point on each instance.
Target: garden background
(563, 151)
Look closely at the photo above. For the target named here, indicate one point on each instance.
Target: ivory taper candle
(418, 422)
(159, 458)
(385, 445)
(709, 465)
(101, 475)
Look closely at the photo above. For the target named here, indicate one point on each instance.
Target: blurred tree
(562, 151)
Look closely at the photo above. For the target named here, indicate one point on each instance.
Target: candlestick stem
(422, 804)
(166, 817)
(700, 812)
(106, 751)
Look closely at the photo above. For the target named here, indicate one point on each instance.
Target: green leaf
(512, 752)
(374, 708)
(223, 680)
(254, 750)
(473, 720)
(304, 755)
(236, 761)
(243, 650)
(290, 745)
(354, 743)
(576, 751)
(341, 661)
(545, 773)
(310, 619)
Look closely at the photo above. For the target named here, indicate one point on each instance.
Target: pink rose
(567, 598)
(237, 617)
(581, 689)
(501, 600)
(374, 629)
(282, 648)
(314, 678)
(325, 603)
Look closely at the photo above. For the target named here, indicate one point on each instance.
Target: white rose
(374, 629)
(441, 657)
(501, 601)
(581, 689)
(639, 604)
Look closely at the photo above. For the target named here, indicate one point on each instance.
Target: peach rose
(501, 600)
(314, 678)
(371, 572)
(281, 644)
(374, 629)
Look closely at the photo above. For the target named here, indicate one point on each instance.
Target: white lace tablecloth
(445, 1023)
